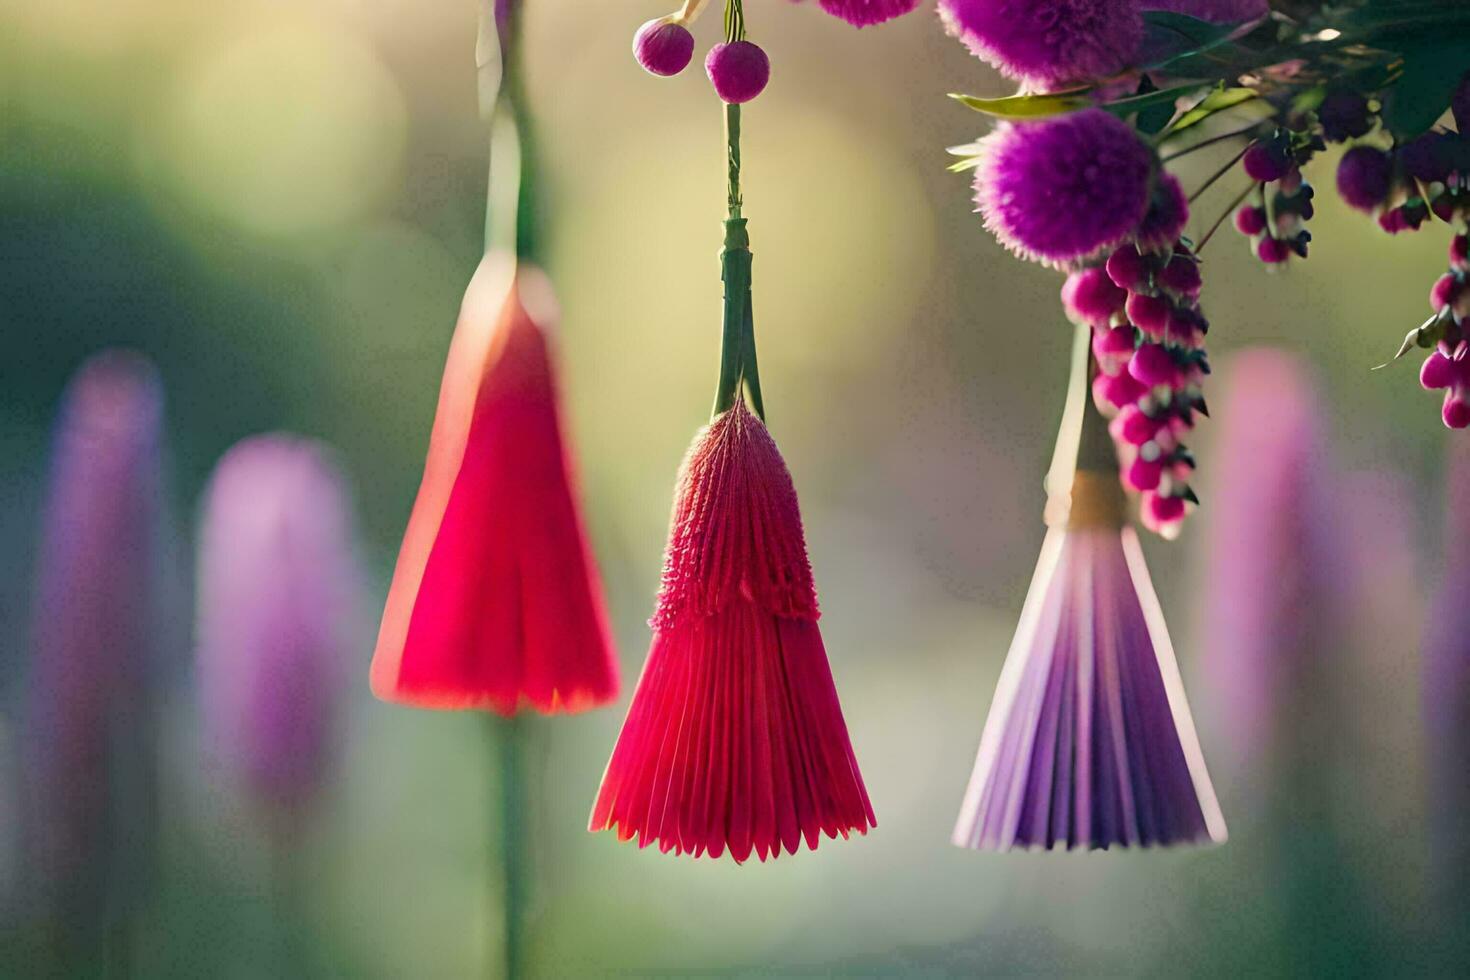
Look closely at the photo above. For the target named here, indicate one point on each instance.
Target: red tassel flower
(735, 739)
(495, 602)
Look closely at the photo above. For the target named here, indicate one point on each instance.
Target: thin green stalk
(737, 345)
(515, 867)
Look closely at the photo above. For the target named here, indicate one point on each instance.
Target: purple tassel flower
(1047, 44)
(95, 640)
(1064, 188)
(1089, 742)
(278, 598)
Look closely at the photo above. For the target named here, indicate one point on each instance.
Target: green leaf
(1028, 106)
(1217, 101)
(1168, 36)
(1166, 97)
(1433, 65)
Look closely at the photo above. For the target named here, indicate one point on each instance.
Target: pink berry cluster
(1148, 343)
(1276, 220)
(738, 69)
(1448, 366)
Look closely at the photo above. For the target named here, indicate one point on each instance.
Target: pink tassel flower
(278, 596)
(735, 739)
(495, 602)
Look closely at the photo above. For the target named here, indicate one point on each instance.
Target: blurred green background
(281, 202)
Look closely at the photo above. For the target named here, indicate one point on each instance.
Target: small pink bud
(739, 71)
(1091, 297)
(1266, 161)
(1250, 220)
(1181, 276)
(1438, 371)
(663, 47)
(1149, 313)
(1114, 391)
(1145, 474)
(1456, 409)
(1127, 268)
(1165, 510)
(1152, 366)
(1443, 292)
(1273, 251)
(1136, 427)
(1113, 347)
(1460, 253)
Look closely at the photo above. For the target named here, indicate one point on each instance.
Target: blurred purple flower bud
(1344, 115)
(96, 637)
(278, 602)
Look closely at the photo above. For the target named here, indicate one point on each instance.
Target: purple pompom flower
(862, 13)
(663, 46)
(97, 636)
(1214, 11)
(278, 598)
(1364, 177)
(1064, 188)
(1047, 44)
(739, 71)
(1344, 115)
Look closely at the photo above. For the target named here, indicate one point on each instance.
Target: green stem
(737, 344)
(504, 103)
(510, 733)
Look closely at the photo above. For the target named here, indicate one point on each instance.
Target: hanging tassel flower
(100, 625)
(735, 740)
(1089, 742)
(278, 598)
(495, 601)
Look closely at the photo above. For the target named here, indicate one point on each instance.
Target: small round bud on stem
(663, 46)
(739, 71)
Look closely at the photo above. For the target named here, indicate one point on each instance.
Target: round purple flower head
(862, 13)
(739, 71)
(1064, 188)
(663, 47)
(1214, 11)
(1364, 177)
(1047, 44)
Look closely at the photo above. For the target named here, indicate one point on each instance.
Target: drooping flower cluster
(1276, 220)
(1143, 306)
(1448, 367)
